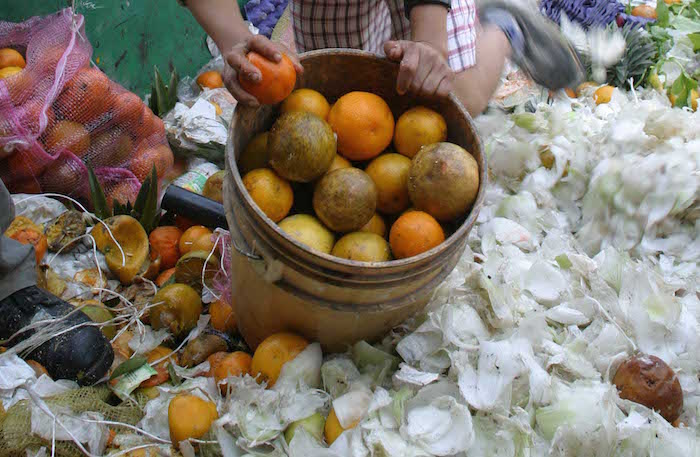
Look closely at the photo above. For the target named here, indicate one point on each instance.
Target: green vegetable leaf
(663, 18)
(97, 195)
(681, 88)
(130, 365)
(695, 39)
(686, 25)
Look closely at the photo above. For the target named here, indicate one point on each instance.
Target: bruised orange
(307, 100)
(278, 79)
(271, 355)
(165, 243)
(191, 235)
(164, 276)
(222, 318)
(413, 233)
(210, 80)
(190, 417)
(83, 97)
(272, 194)
(11, 58)
(162, 367)
(364, 125)
(147, 157)
(234, 364)
(68, 135)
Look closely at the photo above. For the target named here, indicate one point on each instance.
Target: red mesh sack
(59, 116)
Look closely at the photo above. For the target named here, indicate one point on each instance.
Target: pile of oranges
(335, 177)
(95, 120)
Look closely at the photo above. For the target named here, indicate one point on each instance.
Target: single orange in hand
(234, 364)
(222, 318)
(364, 125)
(191, 235)
(414, 233)
(165, 242)
(11, 58)
(271, 355)
(307, 100)
(210, 80)
(278, 79)
(272, 194)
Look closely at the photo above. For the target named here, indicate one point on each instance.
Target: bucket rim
(373, 267)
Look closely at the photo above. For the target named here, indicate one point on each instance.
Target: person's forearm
(429, 25)
(222, 21)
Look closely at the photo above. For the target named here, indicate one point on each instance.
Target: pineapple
(639, 57)
(163, 98)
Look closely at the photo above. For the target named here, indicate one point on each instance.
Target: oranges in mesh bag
(83, 97)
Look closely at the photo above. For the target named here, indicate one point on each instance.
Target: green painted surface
(129, 37)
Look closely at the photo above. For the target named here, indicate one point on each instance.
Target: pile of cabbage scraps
(585, 253)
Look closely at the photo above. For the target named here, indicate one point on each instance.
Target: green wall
(129, 37)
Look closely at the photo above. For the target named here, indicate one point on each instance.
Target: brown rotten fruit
(649, 381)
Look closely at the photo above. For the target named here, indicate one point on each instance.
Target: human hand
(424, 69)
(237, 63)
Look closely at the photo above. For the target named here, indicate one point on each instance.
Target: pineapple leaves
(163, 97)
(146, 204)
(97, 195)
(161, 92)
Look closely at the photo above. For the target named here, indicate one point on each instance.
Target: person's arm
(424, 69)
(222, 21)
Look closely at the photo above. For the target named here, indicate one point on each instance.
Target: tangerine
(190, 417)
(192, 234)
(413, 233)
(271, 355)
(11, 58)
(375, 225)
(147, 157)
(255, 155)
(234, 364)
(164, 276)
(364, 125)
(222, 317)
(165, 243)
(417, 127)
(390, 175)
(272, 194)
(307, 100)
(603, 95)
(277, 82)
(68, 135)
(83, 97)
(210, 79)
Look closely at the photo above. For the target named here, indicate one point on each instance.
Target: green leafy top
(163, 98)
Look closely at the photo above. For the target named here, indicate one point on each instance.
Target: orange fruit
(164, 276)
(35, 238)
(644, 11)
(307, 100)
(338, 163)
(390, 175)
(32, 114)
(418, 127)
(110, 148)
(272, 194)
(9, 71)
(255, 155)
(11, 58)
(23, 164)
(570, 92)
(162, 368)
(273, 353)
(375, 225)
(210, 79)
(414, 233)
(222, 318)
(83, 97)
(214, 360)
(191, 235)
(203, 243)
(165, 243)
(603, 95)
(183, 223)
(68, 135)
(364, 125)
(122, 192)
(127, 109)
(147, 157)
(332, 430)
(190, 417)
(278, 79)
(362, 247)
(234, 364)
(25, 186)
